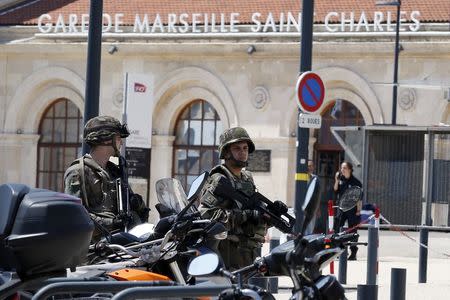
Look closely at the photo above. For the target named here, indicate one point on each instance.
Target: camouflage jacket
(230, 211)
(99, 191)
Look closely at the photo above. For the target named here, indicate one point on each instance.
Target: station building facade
(214, 67)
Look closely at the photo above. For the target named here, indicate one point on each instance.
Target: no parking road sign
(310, 92)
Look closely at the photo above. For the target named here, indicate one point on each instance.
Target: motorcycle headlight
(221, 236)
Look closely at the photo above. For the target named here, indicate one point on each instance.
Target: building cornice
(235, 49)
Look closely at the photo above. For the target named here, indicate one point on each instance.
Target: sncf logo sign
(139, 88)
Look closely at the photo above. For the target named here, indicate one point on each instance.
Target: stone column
(160, 167)
(18, 158)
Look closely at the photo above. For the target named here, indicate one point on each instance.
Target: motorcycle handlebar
(228, 274)
(245, 270)
(339, 239)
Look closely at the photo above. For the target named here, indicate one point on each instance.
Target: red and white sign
(138, 108)
(139, 87)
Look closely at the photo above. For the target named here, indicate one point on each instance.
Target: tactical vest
(248, 233)
(244, 184)
(99, 184)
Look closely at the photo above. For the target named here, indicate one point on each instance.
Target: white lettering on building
(330, 15)
(270, 22)
(108, 21)
(256, 27)
(377, 19)
(73, 19)
(118, 22)
(416, 26)
(140, 26)
(292, 21)
(47, 27)
(60, 24)
(157, 24)
(84, 23)
(224, 23)
(234, 20)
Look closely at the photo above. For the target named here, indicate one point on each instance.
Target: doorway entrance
(328, 154)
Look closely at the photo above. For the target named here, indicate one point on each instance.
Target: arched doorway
(328, 154)
(60, 131)
(196, 141)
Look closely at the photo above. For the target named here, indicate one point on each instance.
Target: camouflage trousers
(236, 255)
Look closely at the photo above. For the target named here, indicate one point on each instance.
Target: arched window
(60, 129)
(197, 137)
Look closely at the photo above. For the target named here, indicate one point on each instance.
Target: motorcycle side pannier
(41, 231)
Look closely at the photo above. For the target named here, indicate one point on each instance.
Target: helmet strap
(234, 162)
(116, 151)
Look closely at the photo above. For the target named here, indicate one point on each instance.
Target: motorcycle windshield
(170, 193)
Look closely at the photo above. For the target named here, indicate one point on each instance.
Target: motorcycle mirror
(195, 189)
(203, 265)
(197, 185)
(311, 202)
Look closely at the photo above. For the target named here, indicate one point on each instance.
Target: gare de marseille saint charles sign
(216, 23)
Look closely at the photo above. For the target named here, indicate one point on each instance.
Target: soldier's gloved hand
(143, 214)
(136, 202)
(252, 215)
(118, 222)
(122, 219)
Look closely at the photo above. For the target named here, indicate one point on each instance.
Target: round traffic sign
(310, 92)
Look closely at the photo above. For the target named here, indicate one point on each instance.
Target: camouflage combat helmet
(234, 135)
(102, 129)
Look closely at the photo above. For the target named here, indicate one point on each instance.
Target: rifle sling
(83, 183)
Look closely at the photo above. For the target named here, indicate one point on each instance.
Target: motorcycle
(302, 259)
(178, 236)
(141, 257)
(42, 233)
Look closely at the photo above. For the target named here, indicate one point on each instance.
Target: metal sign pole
(94, 54)
(124, 114)
(301, 176)
(396, 53)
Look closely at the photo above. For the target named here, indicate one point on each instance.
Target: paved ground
(397, 251)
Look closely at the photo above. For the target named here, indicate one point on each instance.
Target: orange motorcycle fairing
(136, 275)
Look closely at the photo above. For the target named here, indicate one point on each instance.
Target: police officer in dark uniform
(246, 226)
(344, 180)
(93, 178)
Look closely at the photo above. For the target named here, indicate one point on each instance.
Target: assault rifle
(275, 212)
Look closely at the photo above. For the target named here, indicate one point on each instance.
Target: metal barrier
(423, 255)
(95, 287)
(164, 292)
(367, 292)
(398, 284)
(331, 227)
(342, 271)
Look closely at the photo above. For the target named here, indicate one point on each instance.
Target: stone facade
(36, 69)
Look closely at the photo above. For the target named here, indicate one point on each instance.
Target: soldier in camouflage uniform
(246, 227)
(93, 178)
